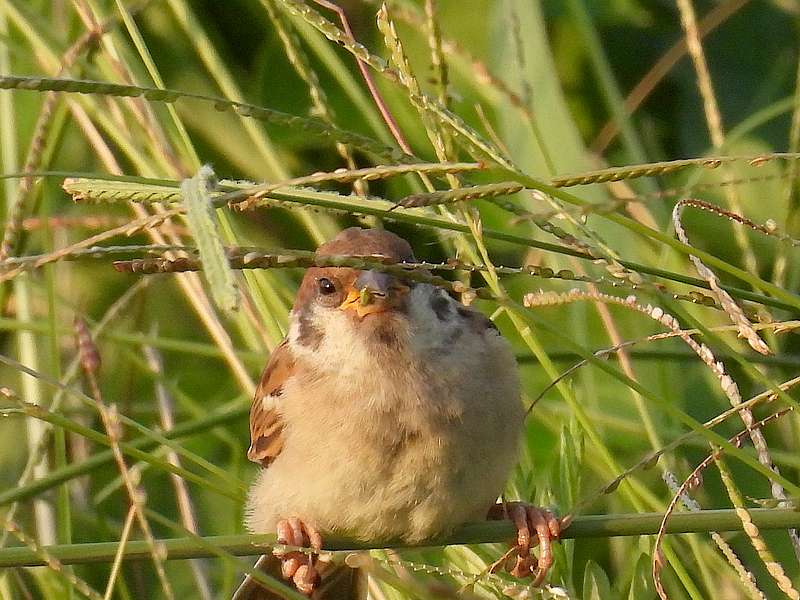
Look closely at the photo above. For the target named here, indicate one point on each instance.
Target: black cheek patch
(441, 306)
(308, 334)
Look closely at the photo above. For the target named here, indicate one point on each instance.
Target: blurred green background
(542, 83)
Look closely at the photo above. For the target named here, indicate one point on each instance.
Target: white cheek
(341, 349)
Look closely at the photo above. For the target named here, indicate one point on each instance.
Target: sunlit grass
(484, 167)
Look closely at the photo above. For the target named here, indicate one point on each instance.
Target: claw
(298, 566)
(528, 519)
(306, 579)
(289, 565)
(523, 566)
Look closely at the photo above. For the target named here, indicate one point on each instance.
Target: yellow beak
(364, 302)
(373, 292)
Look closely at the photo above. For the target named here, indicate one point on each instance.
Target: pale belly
(391, 476)
(406, 438)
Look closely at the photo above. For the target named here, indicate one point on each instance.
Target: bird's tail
(339, 582)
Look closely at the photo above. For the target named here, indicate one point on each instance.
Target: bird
(391, 411)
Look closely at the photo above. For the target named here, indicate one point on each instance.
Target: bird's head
(335, 298)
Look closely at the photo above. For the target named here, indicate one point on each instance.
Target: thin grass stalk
(182, 496)
(15, 213)
(779, 272)
(51, 223)
(249, 195)
(409, 81)
(774, 568)
(625, 199)
(713, 118)
(36, 455)
(41, 413)
(319, 100)
(315, 126)
(63, 506)
(582, 526)
(662, 67)
(312, 125)
(49, 560)
(46, 529)
(682, 492)
(190, 283)
(439, 65)
(195, 32)
(663, 403)
(43, 512)
(606, 80)
(732, 309)
(667, 167)
(334, 202)
(378, 100)
(90, 363)
(123, 540)
(129, 228)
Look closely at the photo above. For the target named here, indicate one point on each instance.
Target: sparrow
(390, 411)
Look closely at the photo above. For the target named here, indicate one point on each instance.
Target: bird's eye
(326, 286)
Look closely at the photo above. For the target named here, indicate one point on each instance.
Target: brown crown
(353, 241)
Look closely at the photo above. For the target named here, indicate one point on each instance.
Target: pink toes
(535, 527)
(298, 566)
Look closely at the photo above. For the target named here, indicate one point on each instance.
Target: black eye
(326, 286)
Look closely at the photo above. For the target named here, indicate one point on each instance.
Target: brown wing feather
(266, 425)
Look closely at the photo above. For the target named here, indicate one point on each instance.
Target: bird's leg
(298, 566)
(527, 519)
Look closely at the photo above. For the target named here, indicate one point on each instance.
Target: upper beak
(373, 292)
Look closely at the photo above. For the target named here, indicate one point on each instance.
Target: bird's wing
(266, 425)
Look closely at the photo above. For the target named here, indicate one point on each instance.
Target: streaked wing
(266, 426)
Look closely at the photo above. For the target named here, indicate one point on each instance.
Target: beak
(373, 292)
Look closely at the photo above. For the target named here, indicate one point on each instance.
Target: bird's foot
(528, 519)
(298, 566)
